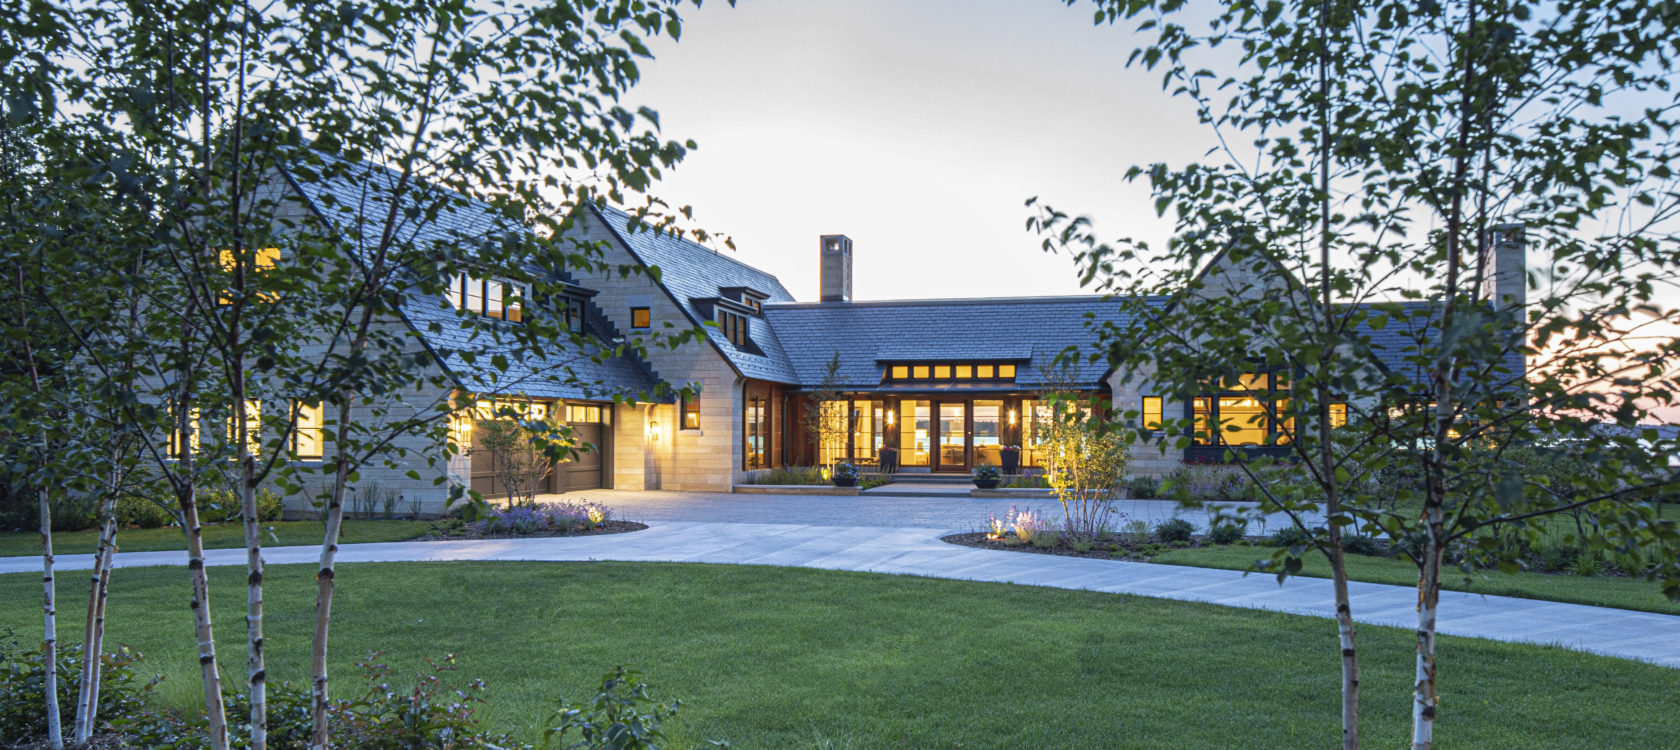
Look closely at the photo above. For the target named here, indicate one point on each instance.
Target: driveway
(956, 513)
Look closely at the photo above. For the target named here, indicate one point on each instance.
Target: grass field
(1601, 590)
(791, 658)
(220, 536)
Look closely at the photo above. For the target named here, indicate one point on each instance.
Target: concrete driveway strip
(1641, 636)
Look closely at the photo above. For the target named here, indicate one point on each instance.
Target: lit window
(583, 414)
(475, 295)
(1152, 412)
(900, 372)
(175, 433)
(986, 372)
(734, 327)
(1006, 372)
(919, 372)
(1203, 412)
(308, 437)
(262, 260)
(640, 317)
(457, 291)
(942, 372)
(965, 372)
(1338, 415)
(691, 412)
(253, 426)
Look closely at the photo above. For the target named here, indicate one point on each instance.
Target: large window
(1244, 412)
(755, 449)
(308, 437)
(1151, 418)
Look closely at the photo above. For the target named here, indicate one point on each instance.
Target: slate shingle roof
(354, 200)
(1028, 330)
(690, 271)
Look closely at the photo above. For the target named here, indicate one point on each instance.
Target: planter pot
(986, 484)
(845, 481)
(1011, 461)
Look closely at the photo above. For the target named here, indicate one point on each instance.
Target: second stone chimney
(836, 268)
(1505, 267)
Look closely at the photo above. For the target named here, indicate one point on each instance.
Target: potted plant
(987, 477)
(889, 459)
(1011, 457)
(845, 475)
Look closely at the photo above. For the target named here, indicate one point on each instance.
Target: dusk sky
(918, 129)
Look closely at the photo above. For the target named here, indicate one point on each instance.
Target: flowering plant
(845, 470)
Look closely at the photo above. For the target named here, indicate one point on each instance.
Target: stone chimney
(1504, 267)
(836, 268)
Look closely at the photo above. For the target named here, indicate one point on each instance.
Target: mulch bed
(610, 527)
(1111, 547)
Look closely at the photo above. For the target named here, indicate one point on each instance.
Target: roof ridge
(656, 231)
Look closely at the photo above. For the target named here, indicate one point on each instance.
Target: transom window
(583, 414)
(948, 372)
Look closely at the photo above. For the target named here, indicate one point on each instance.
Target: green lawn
(790, 658)
(221, 536)
(1602, 591)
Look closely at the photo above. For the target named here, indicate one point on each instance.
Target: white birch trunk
(320, 738)
(1424, 699)
(49, 643)
(93, 642)
(257, 671)
(187, 498)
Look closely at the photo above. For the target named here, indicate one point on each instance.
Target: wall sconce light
(653, 430)
(1011, 417)
(889, 417)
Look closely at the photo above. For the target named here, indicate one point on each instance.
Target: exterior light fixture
(653, 430)
(889, 417)
(1011, 417)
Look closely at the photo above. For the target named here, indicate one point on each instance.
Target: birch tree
(205, 105)
(1407, 161)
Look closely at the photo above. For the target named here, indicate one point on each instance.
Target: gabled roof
(354, 199)
(689, 271)
(1031, 331)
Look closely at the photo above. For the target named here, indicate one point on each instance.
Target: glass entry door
(953, 437)
(915, 436)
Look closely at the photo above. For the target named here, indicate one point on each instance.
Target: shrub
(1029, 526)
(1587, 564)
(1558, 556)
(621, 716)
(541, 518)
(216, 507)
(1362, 544)
(1175, 530)
(1291, 536)
(1145, 488)
(1226, 533)
(145, 512)
(987, 473)
(22, 711)
(1136, 532)
(269, 506)
(789, 475)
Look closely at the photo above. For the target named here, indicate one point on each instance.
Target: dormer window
(572, 311)
(491, 298)
(734, 326)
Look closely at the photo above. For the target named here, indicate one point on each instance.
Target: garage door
(584, 472)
